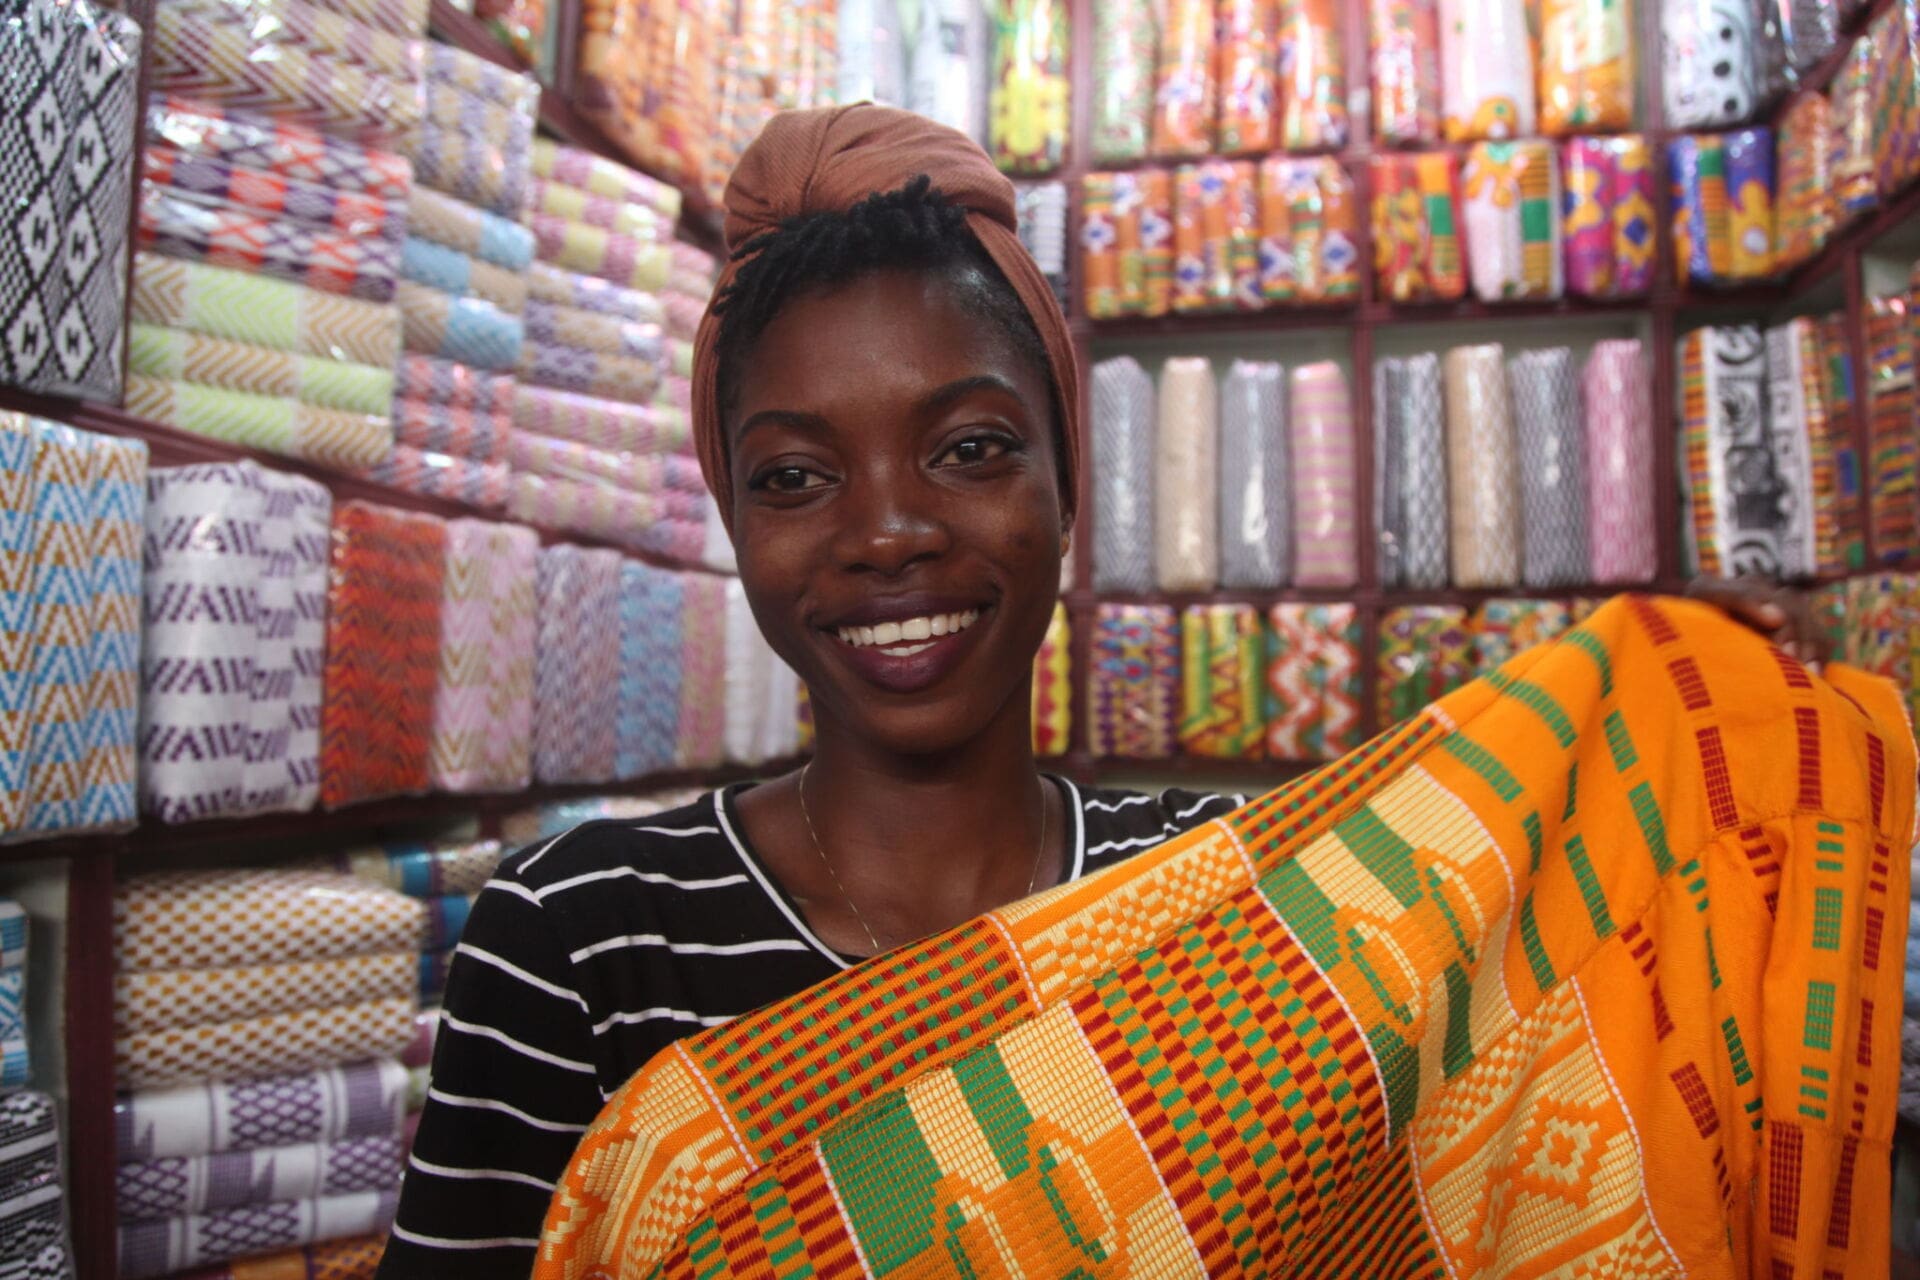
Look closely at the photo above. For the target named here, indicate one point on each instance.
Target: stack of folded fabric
(647, 715)
(1426, 652)
(1893, 461)
(1052, 689)
(297, 1171)
(33, 1218)
(648, 76)
(483, 708)
(71, 508)
(1313, 681)
(1416, 227)
(1722, 206)
(463, 289)
(574, 737)
(1608, 234)
(1126, 244)
(1510, 210)
(1222, 690)
(600, 446)
(1249, 235)
(1804, 211)
(1503, 628)
(1133, 683)
(236, 594)
(16, 1060)
(272, 220)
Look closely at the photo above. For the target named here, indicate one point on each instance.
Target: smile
(909, 636)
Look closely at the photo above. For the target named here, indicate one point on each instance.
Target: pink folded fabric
(1321, 429)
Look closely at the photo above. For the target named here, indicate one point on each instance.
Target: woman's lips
(909, 655)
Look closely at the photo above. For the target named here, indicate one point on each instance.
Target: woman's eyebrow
(781, 418)
(942, 396)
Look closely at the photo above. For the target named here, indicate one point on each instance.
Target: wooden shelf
(1371, 597)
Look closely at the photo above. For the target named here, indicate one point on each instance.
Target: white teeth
(925, 628)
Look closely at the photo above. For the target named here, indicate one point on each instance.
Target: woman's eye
(791, 480)
(972, 449)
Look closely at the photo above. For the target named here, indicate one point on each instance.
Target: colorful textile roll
(622, 260)
(1405, 46)
(1896, 97)
(1222, 656)
(1733, 491)
(1510, 209)
(1313, 681)
(483, 706)
(1749, 203)
(1249, 91)
(345, 441)
(1416, 232)
(1586, 66)
(1849, 512)
(599, 176)
(566, 459)
(1486, 70)
(1409, 473)
(235, 589)
(648, 712)
(1803, 155)
(335, 35)
(453, 272)
(455, 224)
(1185, 89)
(174, 1244)
(438, 475)
(1186, 446)
(16, 1064)
(1621, 546)
(272, 145)
(1708, 72)
(1256, 522)
(478, 435)
(263, 311)
(564, 326)
(169, 920)
(159, 999)
(1855, 114)
(552, 284)
(604, 424)
(383, 660)
(180, 355)
(1552, 456)
(468, 330)
(255, 1048)
(579, 648)
(472, 151)
(205, 179)
(335, 1104)
(1503, 628)
(1702, 221)
(1339, 264)
(1320, 439)
(67, 137)
(1312, 87)
(634, 380)
(1894, 454)
(618, 217)
(702, 734)
(1126, 243)
(1203, 277)
(1122, 473)
(1793, 425)
(1607, 217)
(1133, 688)
(33, 1213)
(602, 511)
(1052, 702)
(1834, 462)
(1633, 215)
(150, 1189)
(1483, 474)
(1426, 652)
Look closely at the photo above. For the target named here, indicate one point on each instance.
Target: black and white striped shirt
(587, 955)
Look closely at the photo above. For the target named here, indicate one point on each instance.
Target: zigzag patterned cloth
(71, 505)
(149, 1190)
(483, 708)
(648, 714)
(365, 1100)
(579, 649)
(1313, 681)
(1586, 968)
(1132, 690)
(1052, 700)
(1222, 690)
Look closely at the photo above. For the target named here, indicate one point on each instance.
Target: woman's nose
(889, 526)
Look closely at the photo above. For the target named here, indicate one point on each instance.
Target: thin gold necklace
(1032, 880)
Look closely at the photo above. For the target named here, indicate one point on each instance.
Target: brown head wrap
(831, 159)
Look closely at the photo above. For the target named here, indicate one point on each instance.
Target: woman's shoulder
(692, 841)
(1118, 823)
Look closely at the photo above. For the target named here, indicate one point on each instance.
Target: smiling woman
(885, 404)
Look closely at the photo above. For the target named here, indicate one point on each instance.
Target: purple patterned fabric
(362, 1100)
(182, 1185)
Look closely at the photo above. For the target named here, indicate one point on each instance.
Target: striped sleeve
(514, 1086)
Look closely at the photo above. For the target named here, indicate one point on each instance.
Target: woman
(885, 405)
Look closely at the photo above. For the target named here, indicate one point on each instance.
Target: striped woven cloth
(1591, 968)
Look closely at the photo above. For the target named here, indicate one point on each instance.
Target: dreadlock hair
(915, 228)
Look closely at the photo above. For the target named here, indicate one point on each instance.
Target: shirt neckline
(727, 815)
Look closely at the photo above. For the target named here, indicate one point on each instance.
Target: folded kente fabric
(383, 652)
(1894, 455)
(456, 225)
(1216, 236)
(1511, 213)
(1222, 666)
(439, 475)
(1486, 70)
(1502, 628)
(1483, 475)
(16, 1065)
(1839, 529)
(1459, 954)
(1425, 653)
(473, 149)
(1185, 90)
(71, 506)
(33, 1219)
(1186, 443)
(290, 152)
(1256, 523)
(453, 272)
(224, 234)
(334, 1104)
(648, 714)
(167, 920)
(181, 355)
(1586, 66)
(1320, 440)
(469, 330)
(1416, 227)
(152, 1189)
(260, 310)
(1708, 73)
(173, 1244)
(1552, 455)
(553, 284)
(66, 139)
(1702, 214)
(1027, 126)
(1607, 216)
(1132, 690)
(578, 648)
(570, 460)
(1312, 86)
(205, 180)
(1804, 198)
(1313, 681)
(1122, 474)
(471, 434)
(483, 702)
(631, 262)
(345, 441)
(1733, 492)
(1124, 48)
(673, 525)
(1410, 472)
(1053, 688)
(611, 376)
(597, 175)
(1621, 546)
(1404, 45)
(1252, 99)
(449, 384)
(1792, 426)
(271, 1044)
(160, 999)
(618, 216)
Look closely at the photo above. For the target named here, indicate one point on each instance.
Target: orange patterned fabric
(1592, 968)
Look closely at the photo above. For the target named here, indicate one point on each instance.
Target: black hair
(916, 228)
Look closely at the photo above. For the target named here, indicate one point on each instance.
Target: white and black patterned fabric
(1553, 468)
(1123, 476)
(1256, 520)
(67, 83)
(33, 1228)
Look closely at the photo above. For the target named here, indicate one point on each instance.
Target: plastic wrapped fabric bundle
(1845, 509)
(1895, 92)
(1312, 88)
(453, 272)
(383, 661)
(180, 355)
(596, 175)
(454, 224)
(1856, 187)
(1733, 487)
(1749, 155)
(33, 1215)
(1202, 266)
(1511, 211)
(555, 325)
(273, 145)
(420, 870)
(1027, 132)
(1256, 526)
(199, 920)
(152, 1189)
(1222, 656)
(1409, 473)
(1702, 221)
(335, 1104)
(1801, 357)
(622, 260)
(1042, 217)
(1486, 69)
(1586, 66)
(171, 1245)
(579, 648)
(1809, 30)
(438, 475)
(1186, 477)
(664, 524)
(602, 424)
(702, 732)
(649, 708)
(1122, 471)
(339, 35)
(1143, 229)
(1123, 74)
(476, 143)
(159, 999)
(1133, 686)
(477, 435)
(1052, 703)
(1321, 444)
(468, 330)
(1894, 454)
(1482, 472)
(258, 309)
(1185, 89)
(1804, 209)
(1619, 417)
(1313, 681)
(1708, 74)
(210, 180)
(549, 456)
(1504, 628)
(570, 204)
(1416, 230)
(16, 1067)
(224, 235)
(1553, 468)
(1607, 225)
(1426, 652)
(344, 441)
(66, 137)
(590, 373)
(1405, 47)
(483, 706)
(1248, 87)
(1797, 430)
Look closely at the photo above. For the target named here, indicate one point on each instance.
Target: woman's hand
(1783, 615)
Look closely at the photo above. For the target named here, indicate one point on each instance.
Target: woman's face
(896, 511)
